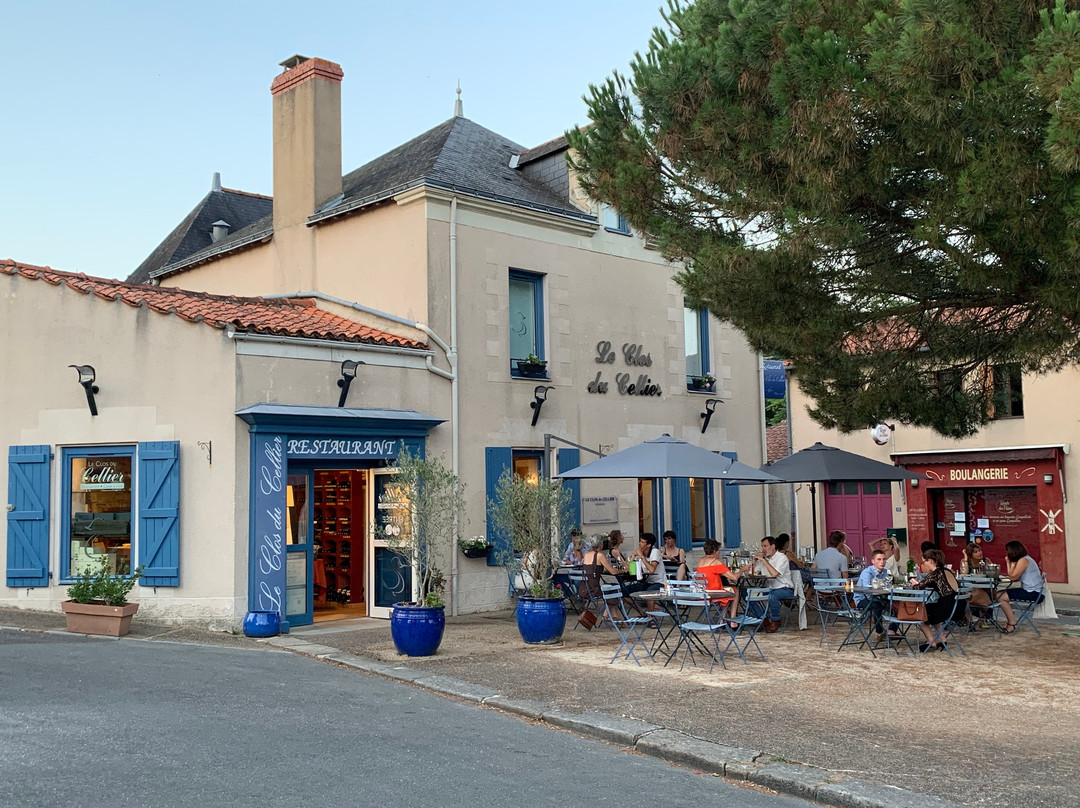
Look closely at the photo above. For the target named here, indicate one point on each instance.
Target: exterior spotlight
(1048, 479)
(87, 374)
(710, 408)
(914, 483)
(348, 373)
(540, 393)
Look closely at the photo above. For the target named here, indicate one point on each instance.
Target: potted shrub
(98, 603)
(434, 509)
(476, 547)
(534, 516)
(532, 366)
(703, 382)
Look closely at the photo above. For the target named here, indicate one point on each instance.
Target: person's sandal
(1010, 628)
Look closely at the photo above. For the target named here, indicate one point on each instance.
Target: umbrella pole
(813, 511)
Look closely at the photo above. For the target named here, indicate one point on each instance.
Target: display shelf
(339, 506)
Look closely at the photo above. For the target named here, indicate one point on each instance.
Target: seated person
(940, 580)
(596, 564)
(783, 542)
(831, 559)
(575, 550)
(615, 554)
(650, 566)
(875, 571)
(891, 548)
(718, 576)
(1022, 568)
(675, 556)
(773, 564)
(973, 562)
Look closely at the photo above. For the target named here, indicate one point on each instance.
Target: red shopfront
(990, 497)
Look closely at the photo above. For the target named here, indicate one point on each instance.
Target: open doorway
(339, 507)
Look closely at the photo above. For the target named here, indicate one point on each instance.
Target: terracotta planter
(97, 618)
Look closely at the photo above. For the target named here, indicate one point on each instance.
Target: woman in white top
(1022, 568)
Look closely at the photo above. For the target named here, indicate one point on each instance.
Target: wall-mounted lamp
(710, 408)
(1048, 479)
(540, 393)
(348, 373)
(87, 374)
(914, 483)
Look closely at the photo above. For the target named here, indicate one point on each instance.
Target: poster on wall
(599, 510)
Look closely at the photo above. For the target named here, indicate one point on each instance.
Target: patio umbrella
(668, 457)
(827, 464)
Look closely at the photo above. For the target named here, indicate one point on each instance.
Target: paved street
(98, 722)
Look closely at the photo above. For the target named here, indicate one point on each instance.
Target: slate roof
(254, 315)
(457, 155)
(192, 235)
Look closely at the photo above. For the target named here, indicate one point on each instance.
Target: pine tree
(885, 191)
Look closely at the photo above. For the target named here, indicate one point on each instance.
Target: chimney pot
(215, 183)
(220, 229)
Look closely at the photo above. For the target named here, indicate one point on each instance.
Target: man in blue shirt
(876, 571)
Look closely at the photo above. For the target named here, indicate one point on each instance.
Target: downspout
(764, 439)
(455, 393)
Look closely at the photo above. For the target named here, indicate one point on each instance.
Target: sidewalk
(868, 727)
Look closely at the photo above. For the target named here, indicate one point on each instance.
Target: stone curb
(685, 750)
(397, 672)
(792, 778)
(602, 726)
(456, 687)
(857, 794)
(526, 708)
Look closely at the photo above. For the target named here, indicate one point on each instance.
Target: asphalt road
(106, 723)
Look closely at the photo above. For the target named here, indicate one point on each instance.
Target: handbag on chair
(587, 619)
(908, 610)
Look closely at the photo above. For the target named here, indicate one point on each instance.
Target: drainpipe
(764, 440)
(455, 393)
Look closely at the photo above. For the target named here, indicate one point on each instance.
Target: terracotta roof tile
(776, 441)
(256, 315)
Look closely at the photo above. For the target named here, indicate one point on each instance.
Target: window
(701, 506)
(696, 336)
(614, 221)
(526, 319)
(98, 490)
(528, 465)
(1008, 392)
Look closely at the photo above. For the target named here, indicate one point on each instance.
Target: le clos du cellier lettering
(633, 356)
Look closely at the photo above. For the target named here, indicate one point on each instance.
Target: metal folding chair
(744, 633)
(691, 632)
(949, 632)
(831, 601)
(629, 629)
(667, 622)
(1025, 610)
(988, 613)
(902, 625)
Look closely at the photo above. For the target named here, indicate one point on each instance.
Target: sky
(117, 114)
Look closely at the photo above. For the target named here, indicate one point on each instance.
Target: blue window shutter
(159, 513)
(28, 524)
(571, 459)
(680, 512)
(710, 509)
(497, 459)
(732, 511)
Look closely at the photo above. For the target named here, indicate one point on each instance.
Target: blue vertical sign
(267, 592)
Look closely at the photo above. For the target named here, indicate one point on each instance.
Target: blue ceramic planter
(262, 624)
(417, 630)
(541, 619)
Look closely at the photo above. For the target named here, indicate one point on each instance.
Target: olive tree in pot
(533, 516)
(98, 601)
(428, 501)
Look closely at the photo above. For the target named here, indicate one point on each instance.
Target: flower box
(98, 618)
(532, 370)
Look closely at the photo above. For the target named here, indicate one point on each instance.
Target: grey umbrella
(827, 464)
(668, 457)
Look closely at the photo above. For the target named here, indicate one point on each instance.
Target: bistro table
(666, 600)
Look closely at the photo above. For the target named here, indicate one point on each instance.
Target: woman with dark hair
(615, 539)
(974, 562)
(718, 576)
(940, 580)
(1022, 568)
(673, 555)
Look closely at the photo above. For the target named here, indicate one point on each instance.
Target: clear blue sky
(116, 114)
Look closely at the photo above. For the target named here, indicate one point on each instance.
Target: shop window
(696, 336)
(121, 504)
(528, 465)
(526, 321)
(615, 222)
(1008, 391)
(701, 509)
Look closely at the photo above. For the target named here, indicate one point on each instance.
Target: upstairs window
(1008, 391)
(614, 221)
(696, 336)
(526, 321)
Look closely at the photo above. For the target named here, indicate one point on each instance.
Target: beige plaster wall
(160, 378)
(1050, 418)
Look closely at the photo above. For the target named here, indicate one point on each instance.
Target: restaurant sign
(105, 474)
(302, 447)
(634, 383)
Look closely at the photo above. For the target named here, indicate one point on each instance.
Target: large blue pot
(417, 630)
(262, 624)
(541, 619)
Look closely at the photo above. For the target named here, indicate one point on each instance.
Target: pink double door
(863, 510)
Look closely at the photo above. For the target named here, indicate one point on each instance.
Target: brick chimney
(307, 139)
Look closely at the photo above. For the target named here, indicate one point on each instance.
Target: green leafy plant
(533, 515)
(705, 380)
(98, 585)
(475, 543)
(533, 359)
(429, 501)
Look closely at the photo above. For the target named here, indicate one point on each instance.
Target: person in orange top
(718, 575)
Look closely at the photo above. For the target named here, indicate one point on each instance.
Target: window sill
(544, 378)
(618, 232)
(701, 390)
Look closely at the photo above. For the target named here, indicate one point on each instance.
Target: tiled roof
(543, 150)
(254, 315)
(776, 441)
(238, 208)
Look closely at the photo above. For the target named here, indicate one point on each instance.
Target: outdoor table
(862, 616)
(667, 602)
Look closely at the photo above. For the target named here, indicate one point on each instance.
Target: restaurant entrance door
(863, 511)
